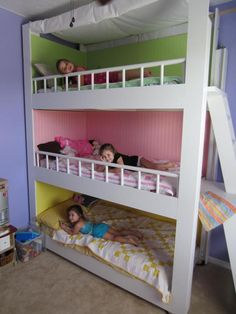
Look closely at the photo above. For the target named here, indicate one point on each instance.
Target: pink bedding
(82, 147)
(148, 181)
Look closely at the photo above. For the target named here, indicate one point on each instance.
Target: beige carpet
(49, 284)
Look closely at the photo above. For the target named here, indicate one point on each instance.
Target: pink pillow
(82, 147)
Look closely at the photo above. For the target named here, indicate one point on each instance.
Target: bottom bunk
(150, 262)
(132, 285)
(145, 270)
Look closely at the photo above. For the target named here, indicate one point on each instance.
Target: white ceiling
(39, 9)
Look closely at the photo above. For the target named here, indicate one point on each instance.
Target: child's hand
(100, 168)
(62, 224)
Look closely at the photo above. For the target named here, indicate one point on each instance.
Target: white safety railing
(41, 83)
(73, 165)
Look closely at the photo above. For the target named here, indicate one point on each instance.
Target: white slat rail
(157, 65)
(93, 163)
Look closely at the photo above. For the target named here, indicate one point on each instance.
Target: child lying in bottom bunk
(78, 223)
(109, 154)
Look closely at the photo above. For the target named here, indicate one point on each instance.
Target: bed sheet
(151, 261)
(147, 81)
(168, 186)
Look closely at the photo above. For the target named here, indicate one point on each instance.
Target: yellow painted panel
(49, 195)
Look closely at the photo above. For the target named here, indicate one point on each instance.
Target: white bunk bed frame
(191, 97)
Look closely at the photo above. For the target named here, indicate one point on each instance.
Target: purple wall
(12, 124)
(218, 248)
(227, 39)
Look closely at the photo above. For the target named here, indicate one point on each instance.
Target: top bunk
(117, 22)
(138, 93)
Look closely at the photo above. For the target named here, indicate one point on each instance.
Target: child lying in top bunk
(78, 223)
(65, 66)
(109, 154)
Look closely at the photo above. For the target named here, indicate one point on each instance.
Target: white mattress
(118, 19)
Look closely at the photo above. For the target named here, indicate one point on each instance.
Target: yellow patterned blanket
(150, 262)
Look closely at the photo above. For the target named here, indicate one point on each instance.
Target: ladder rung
(225, 137)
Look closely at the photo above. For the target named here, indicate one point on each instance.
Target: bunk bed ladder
(224, 134)
(230, 235)
(225, 140)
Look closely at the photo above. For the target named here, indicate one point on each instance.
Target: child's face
(73, 216)
(107, 156)
(66, 67)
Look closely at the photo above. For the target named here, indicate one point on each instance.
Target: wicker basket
(6, 258)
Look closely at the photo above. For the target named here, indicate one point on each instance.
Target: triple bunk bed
(169, 194)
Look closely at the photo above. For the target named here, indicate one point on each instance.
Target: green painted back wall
(153, 50)
(47, 51)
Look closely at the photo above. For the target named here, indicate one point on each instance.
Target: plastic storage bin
(29, 243)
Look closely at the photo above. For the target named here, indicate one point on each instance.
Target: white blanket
(150, 262)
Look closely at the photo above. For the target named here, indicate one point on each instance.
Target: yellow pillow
(51, 216)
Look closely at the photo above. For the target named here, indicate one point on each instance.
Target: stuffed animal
(82, 147)
(67, 150)
(96, 147)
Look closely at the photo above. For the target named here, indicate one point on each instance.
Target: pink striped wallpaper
(49, 124)
(152, 134)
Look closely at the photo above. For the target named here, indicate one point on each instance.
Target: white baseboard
(219, 262)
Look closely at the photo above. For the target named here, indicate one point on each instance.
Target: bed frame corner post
(26, 35)
(194, 99)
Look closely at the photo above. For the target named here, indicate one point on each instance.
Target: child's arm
(119, 162)
(67, 229)
(99, 168)
(114, 170)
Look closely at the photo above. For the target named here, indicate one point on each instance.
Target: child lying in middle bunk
(65, 66)
(78, 223)
(109, 154)
(90, 151)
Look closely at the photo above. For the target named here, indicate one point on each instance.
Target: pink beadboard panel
(48, 124)
(153, 134)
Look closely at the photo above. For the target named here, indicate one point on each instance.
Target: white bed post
(194, 100)
(29, 120)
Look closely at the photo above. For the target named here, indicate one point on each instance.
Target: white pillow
(46, 70)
